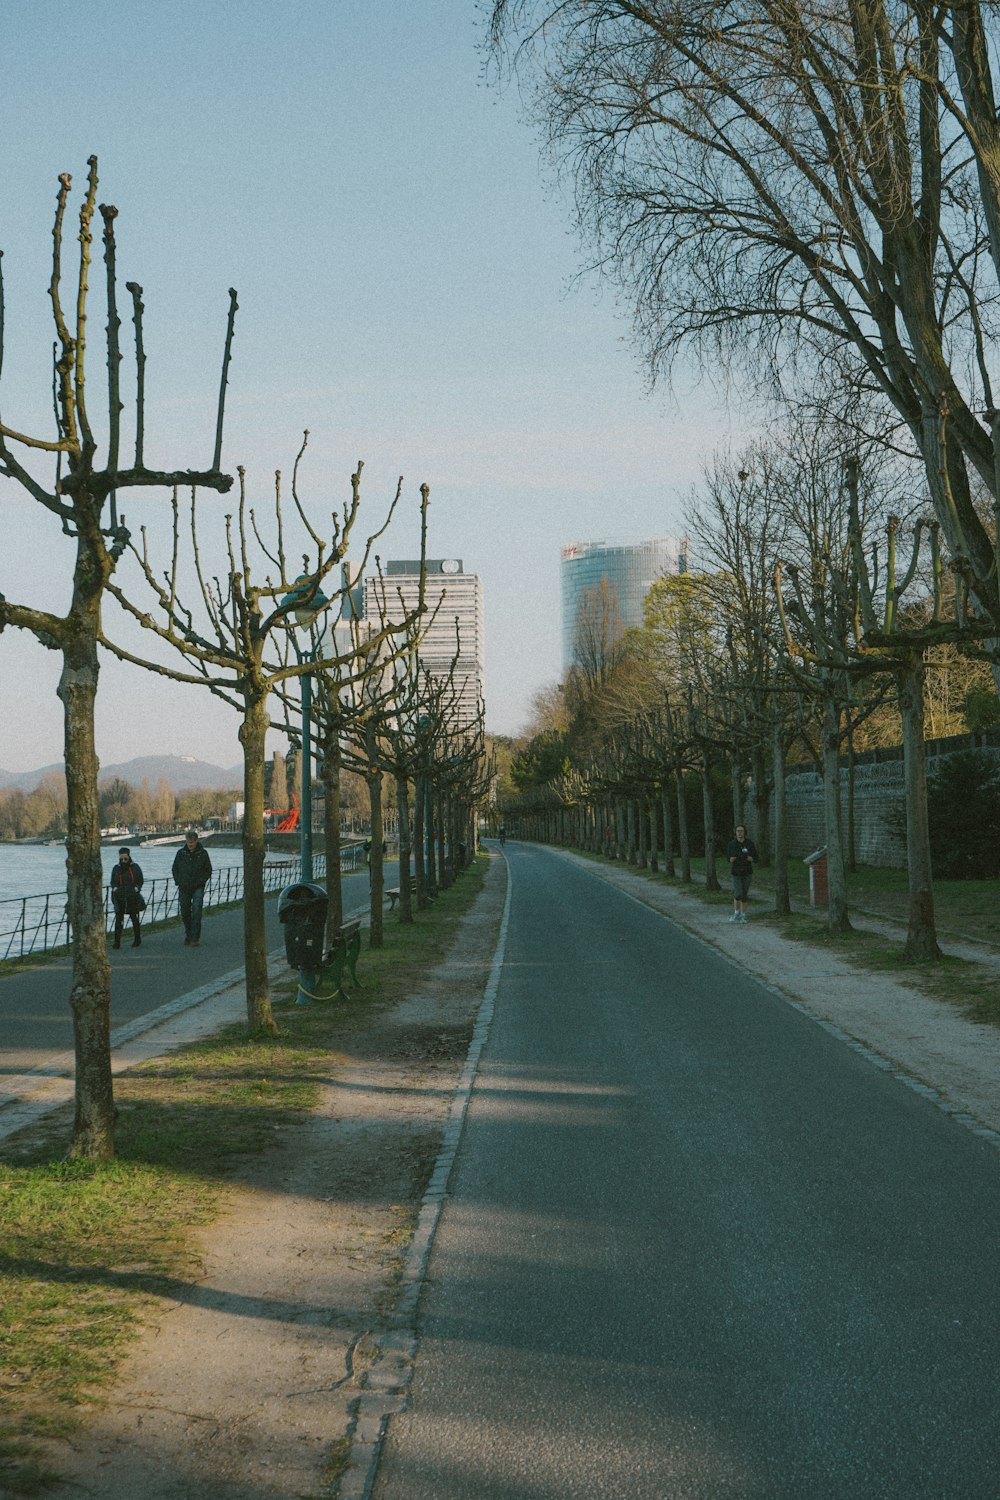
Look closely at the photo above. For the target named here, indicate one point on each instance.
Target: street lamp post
(306, 602)
(306, 831)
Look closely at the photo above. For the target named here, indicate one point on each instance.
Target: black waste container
(302, 910)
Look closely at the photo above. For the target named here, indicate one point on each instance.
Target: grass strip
(89, 1249)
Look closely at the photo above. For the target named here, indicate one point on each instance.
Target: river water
(40, 869)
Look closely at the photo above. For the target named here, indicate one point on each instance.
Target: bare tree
(599, 630)
(737, 526)
(834, 603)
(239, 649)
(356, 706)
(83, 498)
(806, 178)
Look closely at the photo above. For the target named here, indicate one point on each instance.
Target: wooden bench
(344, 955)
(394, 892)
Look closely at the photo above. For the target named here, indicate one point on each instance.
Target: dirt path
(249, 1383)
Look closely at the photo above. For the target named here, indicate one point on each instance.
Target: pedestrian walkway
(162, 995)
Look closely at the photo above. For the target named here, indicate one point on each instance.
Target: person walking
(192, 870)
(126, 883)
(742, 852)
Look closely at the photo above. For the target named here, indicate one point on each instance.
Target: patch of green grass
(88, 1249)
(83, 1247)
(971, 988)
(338, 1456)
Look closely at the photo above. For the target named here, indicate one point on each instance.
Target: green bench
(394, 892)
(344, 955)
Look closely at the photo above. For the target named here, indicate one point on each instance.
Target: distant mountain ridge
(181, 772)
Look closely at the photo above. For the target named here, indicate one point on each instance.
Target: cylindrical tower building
(631, 569)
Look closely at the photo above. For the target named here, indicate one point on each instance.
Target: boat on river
(173, 838)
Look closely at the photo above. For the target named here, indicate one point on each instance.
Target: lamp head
(305, 599)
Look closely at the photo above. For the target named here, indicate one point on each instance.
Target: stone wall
(878, 787)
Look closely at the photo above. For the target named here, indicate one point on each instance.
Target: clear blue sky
(406, 287)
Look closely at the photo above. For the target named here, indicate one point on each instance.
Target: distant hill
(179, 771)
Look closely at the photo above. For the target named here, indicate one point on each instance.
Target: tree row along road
(694, 1245)
(35, 1019)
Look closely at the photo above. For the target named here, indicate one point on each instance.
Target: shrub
(963, 806)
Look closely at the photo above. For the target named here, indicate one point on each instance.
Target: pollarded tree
(353, 703)
(737, 526)
(238, 648)
(890, 635)
(83, 497)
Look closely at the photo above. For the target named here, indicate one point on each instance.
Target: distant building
(457, 597)
(631, 569)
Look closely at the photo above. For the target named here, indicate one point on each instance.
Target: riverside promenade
(162, 993)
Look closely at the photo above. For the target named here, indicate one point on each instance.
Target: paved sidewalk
(163, 994)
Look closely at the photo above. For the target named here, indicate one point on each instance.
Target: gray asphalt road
(695, 1247)
(35, 1019)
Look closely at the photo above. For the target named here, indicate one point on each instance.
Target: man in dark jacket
(192, 870)
(126, 883)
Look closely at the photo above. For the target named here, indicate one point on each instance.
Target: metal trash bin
(302, 911)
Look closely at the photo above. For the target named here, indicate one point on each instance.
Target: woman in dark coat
(126, 883)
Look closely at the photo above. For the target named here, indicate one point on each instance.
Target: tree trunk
(654, 834)
(852, 861)
(429, 835)
(683, 838)
(90, 992)
(782, 903)
(761, 803)
(419, 870)
(620, 840)
(331, 833)
(630, 822)
(921, 936)
(708, 813)
(403, 808)
(376, 935)
(642, 813)
(838, 919)
(736, 781)
(668, 830)
(439, 824)
(253, 731)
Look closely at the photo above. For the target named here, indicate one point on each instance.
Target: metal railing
(34, 924)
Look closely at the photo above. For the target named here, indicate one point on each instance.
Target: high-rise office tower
(631, 569)
(457, 599)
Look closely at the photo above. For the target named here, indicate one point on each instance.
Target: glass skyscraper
(631, 569)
